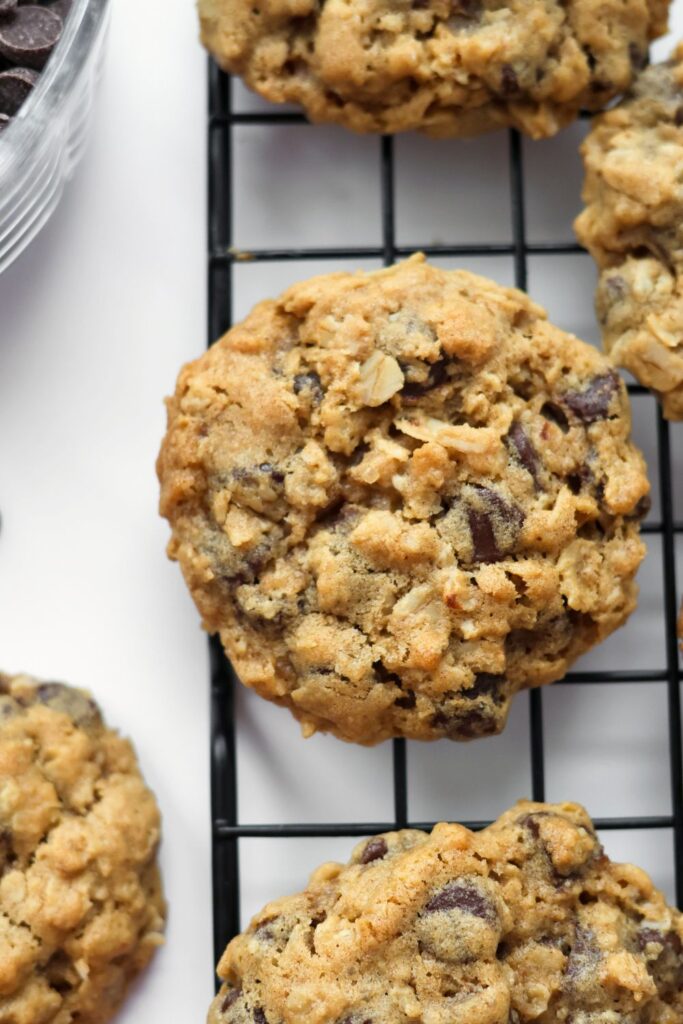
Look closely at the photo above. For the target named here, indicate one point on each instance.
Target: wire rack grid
(227, 829)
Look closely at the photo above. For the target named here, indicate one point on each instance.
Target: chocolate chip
(642, 508)
(551, 411)
(465, 897)
(485, 545)
(593, 403)
(486, 684)
(436, 376)
(530, 821)
(309, 382)
(407, 701)
(384, 675)
(359, 454)
(508, 81)
(525, 451)
(230, 998)
(678, 117)
(666, 939)
(637, 57)
(259, 1016)
(615, 287)
(15, 86)
(374, 850)
(276, 474)
(81, 709)
(468, 725)
(30, 36)
(466, 8)
(585, 953)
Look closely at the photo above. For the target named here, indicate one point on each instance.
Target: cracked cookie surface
(401, 497)
(525, 921)
(633, 227)
(447, 67)
(81, 909)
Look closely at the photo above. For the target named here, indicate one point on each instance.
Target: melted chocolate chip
(468, 725)
(486, 684)
(407, 701)
(593, 403)
(465, 897)
(551, 411)
(509, 85)
(615, 286)
(436, 376)
(519, 441)
(230, 998)
(530, 821)
(585, 953)
(30, 35)
(374, 850)
(678, 117)
(642, 508)
(666, 939)
(15, 86)
(485, 546)
(259, 1016)
(383, 674)
(309, 382)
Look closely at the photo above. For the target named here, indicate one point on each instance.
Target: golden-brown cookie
(633, 226)
(525, 921)
(447, 67)
(401, 497)
(81, 909)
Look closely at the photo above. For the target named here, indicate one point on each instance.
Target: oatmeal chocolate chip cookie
(633, 226)
(525, 921)
(401, 497)
(81, 909)
(447, 67)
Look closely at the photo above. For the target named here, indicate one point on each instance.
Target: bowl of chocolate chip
(50, 56)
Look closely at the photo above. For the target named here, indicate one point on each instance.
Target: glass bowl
(42, 144)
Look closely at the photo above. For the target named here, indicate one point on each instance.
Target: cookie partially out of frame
(525, 921)
(447, 67)
(633, 226)
(81, 908)
(400, 498)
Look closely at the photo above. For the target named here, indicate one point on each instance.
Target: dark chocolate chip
(615, 286)
(462, 896)
(231, 997)
(15, 86)
(65, 699)
(525, 451)
(436, 376)
(7, 7)
(30, 36)
(666, 939)
(593, 403)
(551, 411)
(259, 1016)
(637, 57)
(374, 850)
(585, 953)
(678, 117)
(407, 701)
(508, 81)
(530, 821)
(276, 474)
(359, 454)
(309, 382)
(486, 684)
(468, 725)
(485, 547)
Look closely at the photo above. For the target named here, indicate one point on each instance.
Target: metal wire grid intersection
(226, 828)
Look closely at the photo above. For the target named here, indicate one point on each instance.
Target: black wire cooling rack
(226, 827)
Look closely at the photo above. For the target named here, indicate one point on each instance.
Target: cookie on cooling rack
(447, 67)
(633, 226)
(401, 497)
(82, 909)
(525, 921)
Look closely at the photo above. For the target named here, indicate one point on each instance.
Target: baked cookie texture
(401, 497)
(81, 908)
(633, 226)
(447, 67)
(525, 921)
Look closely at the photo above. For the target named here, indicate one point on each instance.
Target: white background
(95, 320)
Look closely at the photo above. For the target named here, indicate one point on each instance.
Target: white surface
(95, 321)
